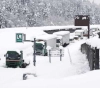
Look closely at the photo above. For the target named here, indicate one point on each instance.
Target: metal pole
(60, 55)
(89, 28)
(69, 56)
(21, 55)
(96, 58)
(24, 35)
(34, 55)
(50, 56)
(88, 31)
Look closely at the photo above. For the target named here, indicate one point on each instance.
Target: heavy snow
(94, 42)
(72, 72)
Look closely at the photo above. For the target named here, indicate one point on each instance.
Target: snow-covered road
(48, 71)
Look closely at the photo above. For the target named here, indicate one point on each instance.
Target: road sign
(19, 37)
(82, 20)
(57, 53)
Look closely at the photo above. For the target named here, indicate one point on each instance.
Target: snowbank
(94, 42)
(88, 80)
(49, 75)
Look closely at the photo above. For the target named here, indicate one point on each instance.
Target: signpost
(34, 59)
(20, 37)
(56, 53)
(82, 20)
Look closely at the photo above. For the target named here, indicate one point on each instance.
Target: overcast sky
(96, 1)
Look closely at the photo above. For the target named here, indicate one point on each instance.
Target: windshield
(58, 41)
(39, 46)
(12, 54)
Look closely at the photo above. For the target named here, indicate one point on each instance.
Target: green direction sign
(19, 37)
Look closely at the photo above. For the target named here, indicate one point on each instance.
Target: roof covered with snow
(46, 37)
(42, 42)
(79, 30)
(62, 33)
(59, 37)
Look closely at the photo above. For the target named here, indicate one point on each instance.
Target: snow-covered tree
(19, 13)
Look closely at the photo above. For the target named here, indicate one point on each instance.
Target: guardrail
(92, 54)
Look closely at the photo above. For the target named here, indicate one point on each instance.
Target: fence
(92, 54)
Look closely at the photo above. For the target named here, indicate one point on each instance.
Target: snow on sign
(57, 53)
(84, 18)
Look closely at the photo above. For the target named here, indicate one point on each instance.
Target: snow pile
(49, 75)
(94, 42)
(88, 80)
